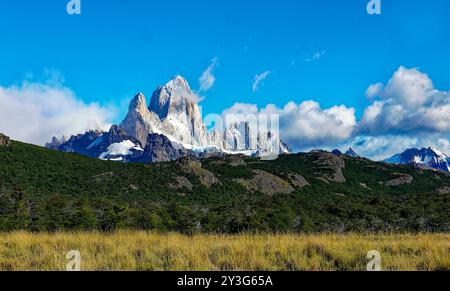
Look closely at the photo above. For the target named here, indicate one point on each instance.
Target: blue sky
(327, 51)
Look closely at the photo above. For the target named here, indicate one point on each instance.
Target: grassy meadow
(132, 250)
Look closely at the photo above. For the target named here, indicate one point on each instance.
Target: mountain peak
(438, 153)
(178, 81)
(337, 152)
(139, 121)
(138, 102)
(425, 157)
(174, 96)
(352, 153)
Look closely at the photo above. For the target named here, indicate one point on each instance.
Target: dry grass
(128, 250)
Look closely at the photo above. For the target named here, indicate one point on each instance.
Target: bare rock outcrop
(194, 166)
(443, 190)
(298, 180)
(402, 180)
(4, 140)
(329, 166)
(236, 160)
(266, 183)
(232, 160)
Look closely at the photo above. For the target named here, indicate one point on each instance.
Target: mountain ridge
(425, 157)
(173, 112)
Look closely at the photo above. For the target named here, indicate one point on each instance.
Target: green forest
(45, 190)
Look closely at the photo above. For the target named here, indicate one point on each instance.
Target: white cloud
(259, 79)
(34, 112)
(207, 79)
(409, 87)
(241, 109)
(374, 90)
(316, 56)
(409, 104)
(306, 125)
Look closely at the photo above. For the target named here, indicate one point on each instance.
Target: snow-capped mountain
(169, 128)
(177, 108)
(174, 113)
(425, 157)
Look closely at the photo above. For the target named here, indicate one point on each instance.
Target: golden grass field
(131, 250)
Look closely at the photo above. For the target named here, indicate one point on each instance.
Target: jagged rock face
(174, 112)
(171, 98)
(80, 143)
(177, 108)
(241, 136)
(116, 145)
(216, 139)
(139, 121)
(115, 135)
(160, 149)
(245, 138)
(56, 142)
(4, 140)
(170, 128)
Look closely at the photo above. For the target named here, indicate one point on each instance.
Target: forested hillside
(41, 189)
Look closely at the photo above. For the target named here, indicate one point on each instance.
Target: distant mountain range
(350, 152)
(171, 127)
(425, 158)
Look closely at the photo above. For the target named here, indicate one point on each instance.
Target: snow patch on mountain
(425, 157)
(118, 150)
